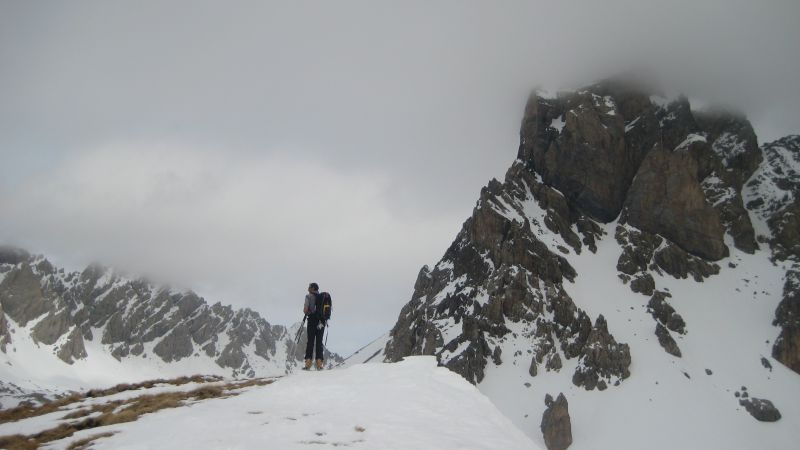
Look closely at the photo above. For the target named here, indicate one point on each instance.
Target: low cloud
(244, 229)
(247, 148)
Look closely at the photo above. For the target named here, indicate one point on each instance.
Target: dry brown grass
(82, 444)
(25, 411)
(248, 383)
(121, 411)
(122, 387)
(102, 408)
(18, 442)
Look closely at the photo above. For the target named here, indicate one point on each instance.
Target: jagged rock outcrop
(761, 409)
(609, 144)
(73, 347)
(126, 315)
(602, 359)
(678, 182)
(664, 313)
(787, 316)
(732, 158)
(5, 336)
(499, 270)
(556, 424)
(586, 159)
(680, 264)
(178, 345)
(688, 195)
(666, 199)
(666, 341)
(643, 284)
(22, 296)
(773, 194)
(603, 152)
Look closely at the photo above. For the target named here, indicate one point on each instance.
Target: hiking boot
(308, 365)
(320, 364)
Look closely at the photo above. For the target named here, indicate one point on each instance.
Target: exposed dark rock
(554, 362)
(709, 372)
(177, 345)
(471, 362)
(785, 228)
(664, 313)
(678, 263)
(730, 160)
(137, 349)
(499, 255)
(52, 327)
(763, 410)
(22, 296)
(765, 362)
(556, 424)
(496, 356)
(233, 357)
(787, 346)
(638, 248)
(602, 358)
(778, 174)
(121, 351)
(734, 142)
(5, 336)
(666, 198)
(667, 342)
(588, 160)
(73, 348)
(643, 284)
(773, 194)
(677, 123)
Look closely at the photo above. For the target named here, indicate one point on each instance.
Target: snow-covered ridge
(412, 404)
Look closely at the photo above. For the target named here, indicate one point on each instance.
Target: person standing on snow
(315, 330)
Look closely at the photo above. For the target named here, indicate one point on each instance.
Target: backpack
(322, 306)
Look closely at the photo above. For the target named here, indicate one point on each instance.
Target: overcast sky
(244, 149)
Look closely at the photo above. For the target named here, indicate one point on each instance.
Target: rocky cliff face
(132, 319)
(773, 194)
(673, 195)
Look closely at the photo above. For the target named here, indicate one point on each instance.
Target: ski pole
(300, 330)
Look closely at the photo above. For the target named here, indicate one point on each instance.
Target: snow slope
(412, 404)
(728, 319)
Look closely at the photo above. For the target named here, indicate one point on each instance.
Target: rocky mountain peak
(132, 319)
(670, 194)
(592, 144)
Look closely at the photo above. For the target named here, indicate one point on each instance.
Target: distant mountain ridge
(133, 321)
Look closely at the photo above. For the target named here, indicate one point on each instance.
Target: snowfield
(668, 402)
(412, 404)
